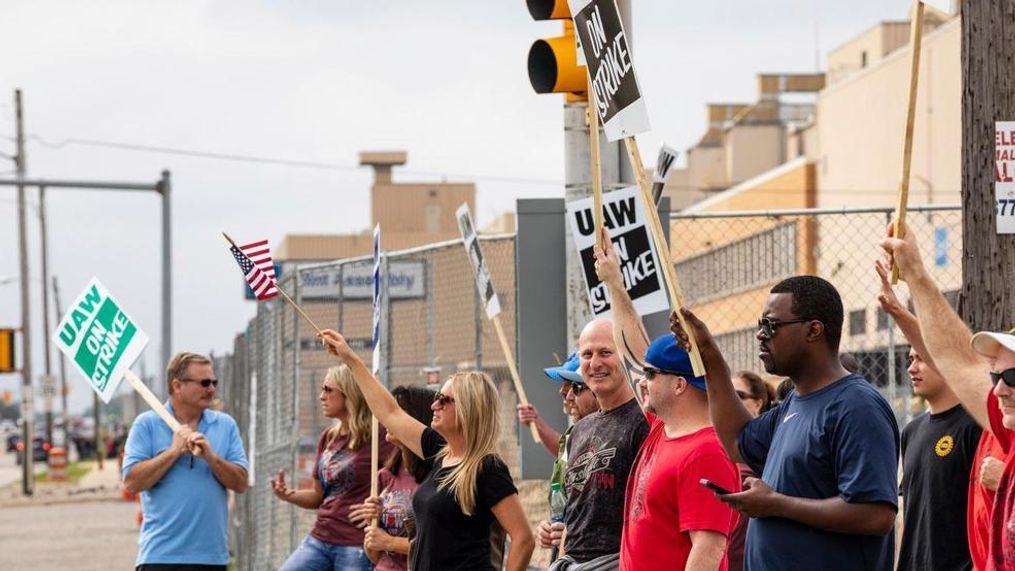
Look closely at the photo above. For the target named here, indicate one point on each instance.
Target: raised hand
(278, 486)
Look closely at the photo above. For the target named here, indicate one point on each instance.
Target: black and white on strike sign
(667, 156)
(615, 91)
(625, 220)
(479, 269)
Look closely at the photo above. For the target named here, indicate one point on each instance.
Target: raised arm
(628, 329)
(400, 424)
(550, 438)
(904, 318)
(724, 406)
(945, 335)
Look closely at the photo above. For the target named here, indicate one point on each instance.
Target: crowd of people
(660, 468)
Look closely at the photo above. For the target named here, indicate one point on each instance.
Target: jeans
(316, 555)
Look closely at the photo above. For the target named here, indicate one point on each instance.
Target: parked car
(40, 449)
(12, 441)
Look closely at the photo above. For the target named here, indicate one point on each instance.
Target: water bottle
(557, 505)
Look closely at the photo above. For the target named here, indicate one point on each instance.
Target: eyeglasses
(745, 396)
(651, 372)
(203, 382)
(1007, 375)
(578, 388)
(767, 325)
(443, 399)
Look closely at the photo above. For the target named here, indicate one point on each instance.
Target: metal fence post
(297, 348)
(893, 390)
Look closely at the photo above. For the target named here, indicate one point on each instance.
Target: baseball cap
(664, 354)
(568, 371)
(989, 343)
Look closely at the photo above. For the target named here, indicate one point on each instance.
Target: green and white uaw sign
(100, 339)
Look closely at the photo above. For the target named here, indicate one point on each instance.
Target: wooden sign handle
(596, 166)
(915, 45)
(155, 404)
(669, 273)
(515, 377)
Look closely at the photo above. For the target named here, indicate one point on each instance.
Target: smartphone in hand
(714, 487)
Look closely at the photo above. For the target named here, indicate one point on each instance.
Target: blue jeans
(316, 555)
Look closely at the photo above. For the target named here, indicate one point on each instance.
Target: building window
(883, 322)
(858, 322)
(757, 260)
(863, 59)
(740, 348)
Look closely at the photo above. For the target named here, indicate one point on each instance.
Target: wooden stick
(596, 164)
(155, 404)
(284, 294)
(374, 453)
(669, 273)
(515, 377)
(915, 45)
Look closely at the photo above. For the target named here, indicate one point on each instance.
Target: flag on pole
(377, 300)
(257, 267)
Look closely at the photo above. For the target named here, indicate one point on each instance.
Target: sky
(317, 81)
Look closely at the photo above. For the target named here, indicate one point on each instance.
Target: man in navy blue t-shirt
(827, 456)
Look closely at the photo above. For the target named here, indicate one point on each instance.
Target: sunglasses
(443, 399)
(578, 388)
(652, 372)
(767, 325)
(203, 382)
(1007, 375)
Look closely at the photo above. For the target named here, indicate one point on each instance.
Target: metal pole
(48, 398)
(63, 373)
(27, 400)
(165, 188)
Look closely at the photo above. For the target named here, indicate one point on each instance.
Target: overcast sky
(320, 80)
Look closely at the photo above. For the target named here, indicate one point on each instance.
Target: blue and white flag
(377, 300)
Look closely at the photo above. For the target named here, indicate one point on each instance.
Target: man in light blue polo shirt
(183, 478)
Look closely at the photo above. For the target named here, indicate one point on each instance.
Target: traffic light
(553, 62)
(7, 364)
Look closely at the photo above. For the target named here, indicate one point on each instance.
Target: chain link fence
(433, 325)
(728, 261)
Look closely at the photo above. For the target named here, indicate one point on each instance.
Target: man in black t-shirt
(601, 452)
(937, 453)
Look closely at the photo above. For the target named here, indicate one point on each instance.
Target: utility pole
(987, 300)
(27, 400)
(63, 373)
(48, 383)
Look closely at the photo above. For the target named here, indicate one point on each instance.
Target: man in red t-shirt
(984, 478)
(671, 520)
(669, 515)
(969, 363)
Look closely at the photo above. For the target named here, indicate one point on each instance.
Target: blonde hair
(476, 407)
(358, 413)
(177, 367)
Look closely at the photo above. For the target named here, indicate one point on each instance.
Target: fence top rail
(405, 252)
(677, 215)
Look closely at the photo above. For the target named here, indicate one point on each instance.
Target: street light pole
(48, 383)
(164, 188)
(27, 400)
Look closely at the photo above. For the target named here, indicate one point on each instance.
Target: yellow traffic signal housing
(7, 364)
(553, 62)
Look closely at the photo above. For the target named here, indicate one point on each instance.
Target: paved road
(87, 536)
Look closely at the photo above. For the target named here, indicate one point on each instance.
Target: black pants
(179, 567)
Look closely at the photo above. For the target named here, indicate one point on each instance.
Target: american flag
(257, 267)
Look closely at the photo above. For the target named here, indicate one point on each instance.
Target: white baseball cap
(988, 343)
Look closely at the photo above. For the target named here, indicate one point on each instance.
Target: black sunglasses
(767, 325)
(578, 388)
(443, 399)
(203, 382)
(651, 372)
(1007, 375)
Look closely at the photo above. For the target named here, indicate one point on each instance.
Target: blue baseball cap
(566, 372)
(664, 354)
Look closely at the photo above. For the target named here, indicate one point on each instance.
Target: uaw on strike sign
(1004, 176)
(624, 218)
(615, 91)
(100, 338)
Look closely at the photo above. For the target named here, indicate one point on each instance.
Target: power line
(273, 160)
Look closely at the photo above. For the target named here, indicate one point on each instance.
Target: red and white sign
(1004, 175)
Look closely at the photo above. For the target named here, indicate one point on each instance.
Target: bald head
(601, 367)
(598, 329)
